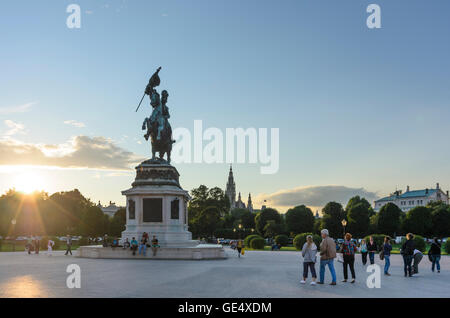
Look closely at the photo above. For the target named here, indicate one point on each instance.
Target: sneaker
(313, 283)
(387, 274)
(353, 281)
(302, 282)
(333, 284)
(439, 271)
(320, 283)
(344, 281)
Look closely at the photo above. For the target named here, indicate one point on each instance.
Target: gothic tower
(249, 203)
(231, 189)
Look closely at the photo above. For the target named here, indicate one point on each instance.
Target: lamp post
(344, 223)
(240, 228)
(13, 222)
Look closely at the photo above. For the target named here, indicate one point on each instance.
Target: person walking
(363, 250)
(348, 249)
(387, 248)
(50, 245)
(408, 251)
(417, 257)
(239, 247)
(372, 248)
(29, 245)
(327, 256)
(309, 252)
(68, 245)
(435, 253)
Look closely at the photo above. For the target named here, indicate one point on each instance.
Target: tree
(272, 229)
(358, 200)
(93, 222)
(244, 217)
(358, 219)
(207, 221)
(418, 221)
(299, 220)
(118, 221)
(333, 214)
(389, 219)
(440, 219)
(264, 216)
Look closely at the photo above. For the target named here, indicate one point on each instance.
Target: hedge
(419, 243)
(257, 243)
(282, 239)
(300, 240)
(378, 238)
(447, 246)
(249, 238)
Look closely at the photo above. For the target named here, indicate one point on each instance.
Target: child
(309, 252)
(50, 245)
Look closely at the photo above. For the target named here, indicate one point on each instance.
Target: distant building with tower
(413, 198)
(230, 192)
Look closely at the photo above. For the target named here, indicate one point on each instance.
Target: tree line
(210, 215)
(58, 214)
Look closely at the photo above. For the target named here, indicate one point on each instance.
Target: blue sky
(356, 107)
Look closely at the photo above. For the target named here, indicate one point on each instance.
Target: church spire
(230, 191)
(249, 203)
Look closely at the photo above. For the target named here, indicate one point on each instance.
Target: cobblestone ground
(257, 274)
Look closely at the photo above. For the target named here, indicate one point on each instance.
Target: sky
(359, 111)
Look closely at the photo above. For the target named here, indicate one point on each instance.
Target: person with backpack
(372, 248)
(435, 255)
(387, 248)
(309, 252)
(408, 251)
(363, 250)
(348, 249)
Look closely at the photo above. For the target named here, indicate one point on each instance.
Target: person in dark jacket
(387, 248)
(348, 250)
(435, 252)
(372, 248)
(408, 252)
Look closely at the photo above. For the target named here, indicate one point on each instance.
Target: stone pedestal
(157, 205)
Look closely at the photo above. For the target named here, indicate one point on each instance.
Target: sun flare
(29, 183)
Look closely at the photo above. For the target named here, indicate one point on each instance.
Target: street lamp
(344, 223)
(13, 222)
(240, 228)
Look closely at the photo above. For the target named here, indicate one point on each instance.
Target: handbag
(243, 251)
(340, 259)
(381, 255)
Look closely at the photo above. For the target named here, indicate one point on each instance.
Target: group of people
(33, 244)
(141, 247)
(328, 252)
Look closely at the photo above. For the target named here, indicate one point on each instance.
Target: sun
(29, 183)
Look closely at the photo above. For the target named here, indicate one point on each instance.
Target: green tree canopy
(358, 218)
(389, 219)
(299, 220)
(440, 218)
(418, 221)
(333, 214)
(264, 216)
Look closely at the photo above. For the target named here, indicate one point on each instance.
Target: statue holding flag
(157, 125)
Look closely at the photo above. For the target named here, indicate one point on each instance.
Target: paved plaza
(257, 274)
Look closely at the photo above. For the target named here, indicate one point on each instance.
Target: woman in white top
(50, 245)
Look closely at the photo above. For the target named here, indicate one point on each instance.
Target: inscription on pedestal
(152, 210)
(131, 209)
(175, 209)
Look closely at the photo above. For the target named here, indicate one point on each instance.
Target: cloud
(14, 128)
(16, 109)
(79, 152)
(313, 196)
(74, 123)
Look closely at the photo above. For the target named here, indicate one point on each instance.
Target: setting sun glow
(29, 183)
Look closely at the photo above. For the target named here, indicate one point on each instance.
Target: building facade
(230, 192)
(413, 198)
(110, 210)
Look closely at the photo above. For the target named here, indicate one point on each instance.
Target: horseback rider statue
(157, 125)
